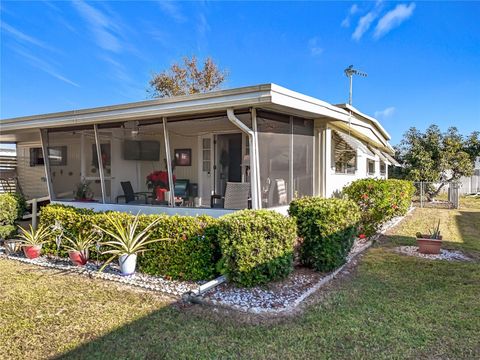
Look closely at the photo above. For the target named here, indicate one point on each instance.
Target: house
(258, 146)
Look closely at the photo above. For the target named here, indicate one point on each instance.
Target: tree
(437, 157)
(187, 78)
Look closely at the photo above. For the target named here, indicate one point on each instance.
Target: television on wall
(148, 150)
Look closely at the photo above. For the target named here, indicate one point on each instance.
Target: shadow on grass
(468, 223)
(146, 338)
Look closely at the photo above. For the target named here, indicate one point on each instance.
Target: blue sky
(422, 58)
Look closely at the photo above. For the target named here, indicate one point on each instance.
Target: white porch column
(100, 163)
(46, 162)
(169, 162)
(324, 150)
(290, 162)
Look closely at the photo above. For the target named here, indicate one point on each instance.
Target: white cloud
(385, 113)
(314, 47)
(363, 25)
(22, 37)
(105, 31)
(43, 66)
(353, 10)
(393, 18)
(172, 10)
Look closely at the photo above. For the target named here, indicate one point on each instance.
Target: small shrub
(190, 253)
(257, 246)
(328, 228)
(380, 200)
(12, 208)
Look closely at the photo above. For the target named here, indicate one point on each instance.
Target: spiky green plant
(33, 236)
(81, 242)
(126, 239)
(435, 231)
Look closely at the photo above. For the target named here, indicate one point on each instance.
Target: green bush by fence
(190, 250)
(380, 200)
(12, 208)
(257, 246)
(328, 228)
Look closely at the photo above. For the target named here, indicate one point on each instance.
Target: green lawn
(391, 306)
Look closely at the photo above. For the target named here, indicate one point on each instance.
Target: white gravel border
(241, 299)
(111, 273)
(448, 255)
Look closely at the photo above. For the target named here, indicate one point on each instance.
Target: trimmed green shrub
(380, 200)
(256, 246)
(328, 228)
(190, 250)
(12, 208)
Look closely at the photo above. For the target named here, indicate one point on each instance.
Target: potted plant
(32, 240)
(83, 192)
(78, 248)
(126, 241)
(431, 243)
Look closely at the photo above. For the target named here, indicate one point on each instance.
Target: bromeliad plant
(32, 240)
(78, 247)
(126, 241)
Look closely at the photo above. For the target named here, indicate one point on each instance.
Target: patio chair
(237, 196)
(182, 189)
(277, 193)
(130, 196)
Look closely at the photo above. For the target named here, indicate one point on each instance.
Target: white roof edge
(249, 96)
(372, 119)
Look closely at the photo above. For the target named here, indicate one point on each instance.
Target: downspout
(253, 154)
(169, 162)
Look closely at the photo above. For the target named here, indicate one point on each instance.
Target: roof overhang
(266, 96)
(374, 121)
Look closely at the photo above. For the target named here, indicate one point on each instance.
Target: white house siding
(335, 182)
(32, 178)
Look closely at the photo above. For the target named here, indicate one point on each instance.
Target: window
(370, 167)
(383, 167)
(344, 156)
(56, 154)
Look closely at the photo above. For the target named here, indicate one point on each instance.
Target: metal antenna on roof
(349, 72)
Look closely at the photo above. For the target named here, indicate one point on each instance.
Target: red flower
(395, 206)
(362, 236)
(364, 196)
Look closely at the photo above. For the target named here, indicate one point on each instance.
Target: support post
(257, 159)
(100, 162)
(290, 163)
(169, 163)
(34, 213)
(46, 162)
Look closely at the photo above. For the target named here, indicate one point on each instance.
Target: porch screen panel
(274, 157)
(69, 159)
(303, 141)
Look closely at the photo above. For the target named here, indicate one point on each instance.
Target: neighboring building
(278, 143)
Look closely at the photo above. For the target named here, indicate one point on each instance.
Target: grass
(392, 306)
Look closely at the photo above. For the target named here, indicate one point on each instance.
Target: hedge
(256, 246)
(190, 250)
(328, 228)
(380, 200)
(12, 208)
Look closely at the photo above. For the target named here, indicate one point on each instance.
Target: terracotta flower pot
(78, 258)
(429, 246)
(32, 251)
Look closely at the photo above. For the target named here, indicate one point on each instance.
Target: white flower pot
(127, 264)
